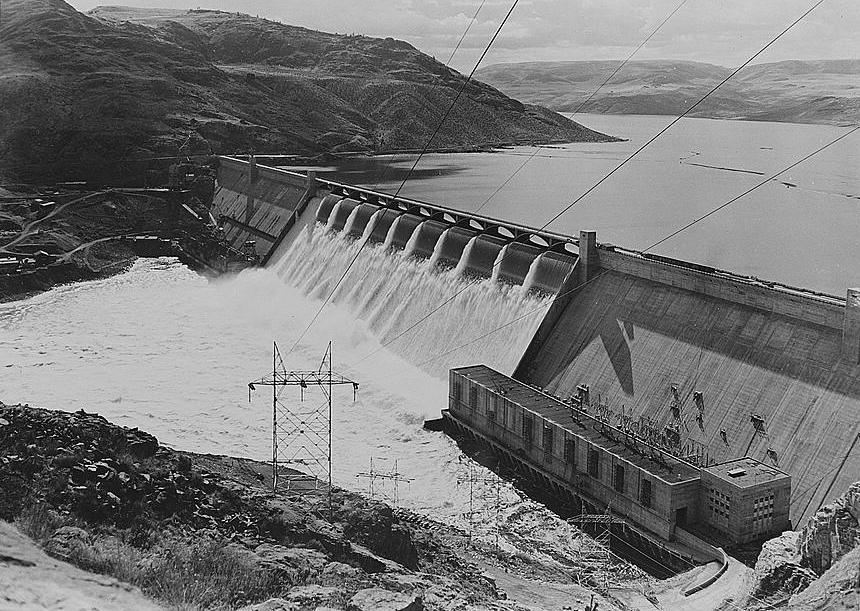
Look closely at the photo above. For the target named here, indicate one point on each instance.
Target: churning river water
(166, 350)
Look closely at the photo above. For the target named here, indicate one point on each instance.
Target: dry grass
(190, 575)
(38, 522)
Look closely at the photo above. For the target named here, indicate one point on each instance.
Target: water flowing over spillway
(391, 291)
(163, 349)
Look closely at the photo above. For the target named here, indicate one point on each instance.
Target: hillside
(198, 531)
(84, 96)
(791, 91)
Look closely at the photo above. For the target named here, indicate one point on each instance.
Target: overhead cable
(424, 150)
(605, 177)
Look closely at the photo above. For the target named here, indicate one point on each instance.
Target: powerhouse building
(734, 502)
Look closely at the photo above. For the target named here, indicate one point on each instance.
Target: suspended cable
(436, 85)
(457, 97)
(684, 114)
(605, 177)
(424, 150)
(654, 245)
(582, 104)
(468, 27)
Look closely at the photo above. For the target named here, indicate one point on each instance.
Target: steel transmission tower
(301, 430)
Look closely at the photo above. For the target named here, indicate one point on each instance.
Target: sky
(724, 32)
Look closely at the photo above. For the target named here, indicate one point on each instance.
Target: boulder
(377, 599)
(65, 540)
(278, 556)
(140, 444)
(273, 604)
(339, 569)
(778, 570)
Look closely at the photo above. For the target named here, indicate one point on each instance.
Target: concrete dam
(723, 366)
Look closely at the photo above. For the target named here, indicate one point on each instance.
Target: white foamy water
(163, 349)
(390, 293)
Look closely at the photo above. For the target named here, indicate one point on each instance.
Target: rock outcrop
(817, 563)
(191, 530)
(832, 532)
(838, 589)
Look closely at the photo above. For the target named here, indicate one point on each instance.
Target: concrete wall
(740, 526)
(258, 203)
(506, 428)
(818, 310)
(630, 335)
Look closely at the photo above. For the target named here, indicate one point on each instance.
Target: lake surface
(804, 235)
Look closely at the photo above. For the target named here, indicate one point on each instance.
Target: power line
(683, 114)
(734, 199)
(468, 27)
(605, 177)
(657, 243)
(582, 104)
(424, 150)
(457, 97)
(385, 168)
(436, 85)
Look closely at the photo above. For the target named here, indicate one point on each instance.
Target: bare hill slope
(81, 96)
(790, 91)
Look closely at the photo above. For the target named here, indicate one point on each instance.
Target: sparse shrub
(109, 556)
(273, 526)
(38, 522)
(206, 574)
(126, 462)
(202, 574)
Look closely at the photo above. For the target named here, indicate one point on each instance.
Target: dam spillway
(737, 366)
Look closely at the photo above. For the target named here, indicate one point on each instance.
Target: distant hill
(791, 91)
(83, 95)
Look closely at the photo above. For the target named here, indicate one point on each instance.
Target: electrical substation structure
(384, 483)
(301, 429)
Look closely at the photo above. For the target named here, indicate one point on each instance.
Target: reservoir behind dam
(803, 235)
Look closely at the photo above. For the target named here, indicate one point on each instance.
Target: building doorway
(681, 517)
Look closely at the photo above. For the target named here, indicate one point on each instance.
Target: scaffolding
(301, 430)
(384, 483)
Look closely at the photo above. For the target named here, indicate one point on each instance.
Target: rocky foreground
(817, 567)
(172, 529)
(206, 532)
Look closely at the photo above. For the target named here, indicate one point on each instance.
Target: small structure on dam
(578, 453)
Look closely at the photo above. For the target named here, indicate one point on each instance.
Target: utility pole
(598, 557)
(473, 477)
(301, 432)
(393, 475)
